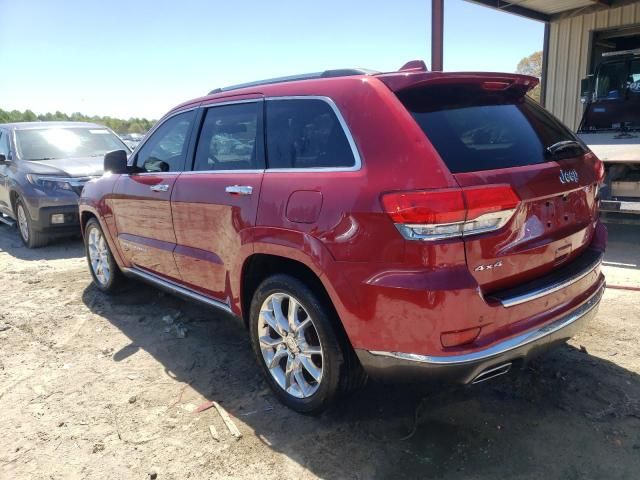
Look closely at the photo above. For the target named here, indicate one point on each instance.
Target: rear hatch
(493, 138)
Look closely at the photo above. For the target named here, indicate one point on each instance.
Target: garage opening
(613, 40)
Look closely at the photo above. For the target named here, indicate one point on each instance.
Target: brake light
(450, 213)
(495, 86)
(482, 200)
(425, 206)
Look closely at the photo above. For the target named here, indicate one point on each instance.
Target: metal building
(577, 32)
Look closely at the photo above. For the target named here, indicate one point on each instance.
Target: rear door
(490, 134)
(215, 204)
(141, 201)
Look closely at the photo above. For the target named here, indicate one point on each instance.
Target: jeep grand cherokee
(400, 224)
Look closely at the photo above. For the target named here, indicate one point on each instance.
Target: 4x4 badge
(491, 266)
(568, 176)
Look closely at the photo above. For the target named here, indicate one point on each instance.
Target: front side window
(229, 138)
(4, 143)
(305, 133)
(166, 148)
(66, 142)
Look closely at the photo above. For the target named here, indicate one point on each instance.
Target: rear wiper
(564, 145)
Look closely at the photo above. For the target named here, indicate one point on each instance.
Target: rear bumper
(474, 366)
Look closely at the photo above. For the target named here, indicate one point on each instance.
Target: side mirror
(116, 162)
(3, 159)
(586, 89)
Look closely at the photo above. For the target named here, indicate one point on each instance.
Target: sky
(139, 58)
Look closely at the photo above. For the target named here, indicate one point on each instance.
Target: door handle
(159, 188)
(239, 189)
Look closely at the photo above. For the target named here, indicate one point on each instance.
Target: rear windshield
(473, 129)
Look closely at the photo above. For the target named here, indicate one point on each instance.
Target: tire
(316, 379)
(105, 272)
(31, 237)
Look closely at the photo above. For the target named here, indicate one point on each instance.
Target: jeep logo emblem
(568, 176)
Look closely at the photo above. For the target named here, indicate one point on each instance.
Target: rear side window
(229, 138)
(305, 133)
(475, 130)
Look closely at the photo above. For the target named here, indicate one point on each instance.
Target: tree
(137, 125)
(532, 65)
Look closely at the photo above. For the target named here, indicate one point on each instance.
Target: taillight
(425, 206)
(450, 213)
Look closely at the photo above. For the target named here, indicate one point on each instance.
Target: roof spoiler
(496, 82)
(414, 66)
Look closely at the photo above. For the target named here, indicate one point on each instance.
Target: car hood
(68, 167)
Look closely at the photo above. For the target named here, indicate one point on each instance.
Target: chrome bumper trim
(506, 346)
(175, 288)
(551, 288)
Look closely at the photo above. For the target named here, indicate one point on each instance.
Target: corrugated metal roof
(551, 7)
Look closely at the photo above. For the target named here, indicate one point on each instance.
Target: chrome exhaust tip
(492, 373)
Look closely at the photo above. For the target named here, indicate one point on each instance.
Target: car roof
(413, 73)
(33, 125)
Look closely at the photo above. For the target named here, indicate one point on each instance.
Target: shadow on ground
(566, 415)
(58, 248)
(623, 250)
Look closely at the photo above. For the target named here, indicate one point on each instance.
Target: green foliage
(118, 125)
(532, 65)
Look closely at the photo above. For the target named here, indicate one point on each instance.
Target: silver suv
(43, 167)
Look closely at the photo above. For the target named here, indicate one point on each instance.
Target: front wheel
(296, 344)
(103, 267)
(31, 237)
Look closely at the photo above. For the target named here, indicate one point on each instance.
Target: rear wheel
(296, 345)
(28, 234)
(104, 269)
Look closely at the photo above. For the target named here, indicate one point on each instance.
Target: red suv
(359, 223)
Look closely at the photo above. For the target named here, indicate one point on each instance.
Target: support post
(545, 65)
(437, 34)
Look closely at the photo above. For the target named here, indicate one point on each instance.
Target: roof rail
(340, 72)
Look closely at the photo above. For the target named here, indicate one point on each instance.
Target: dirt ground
(99, 387)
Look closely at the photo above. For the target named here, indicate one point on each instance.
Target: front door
(141, 201)
(5, 202)
(215, 204)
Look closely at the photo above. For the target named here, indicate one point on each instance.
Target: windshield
(616, 100)
(611, 80)
(61, 142)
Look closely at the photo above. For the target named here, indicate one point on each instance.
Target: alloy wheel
(23, 225)
(290, 345)
(99, 256)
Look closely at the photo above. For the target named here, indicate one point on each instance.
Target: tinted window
(610, 83)
(228, 139)
(62, 142)
(166, 149)
(305, 134)
(4, 143)
(634, 77)
(475, 130)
